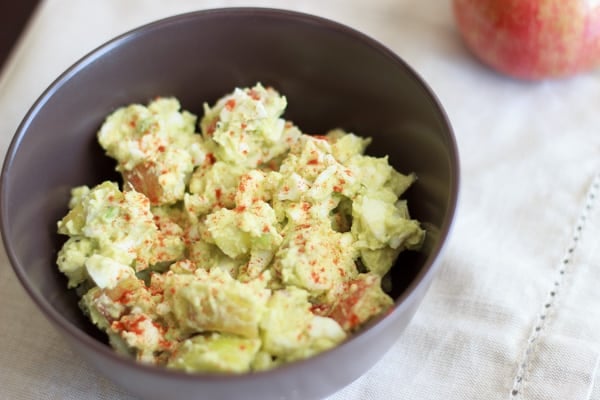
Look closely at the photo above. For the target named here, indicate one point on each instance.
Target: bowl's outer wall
(329, 81)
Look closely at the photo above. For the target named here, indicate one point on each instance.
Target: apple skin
(532, 39)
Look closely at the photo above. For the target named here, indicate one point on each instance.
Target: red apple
(532, 39)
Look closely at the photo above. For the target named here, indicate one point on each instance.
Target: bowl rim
(425, 274)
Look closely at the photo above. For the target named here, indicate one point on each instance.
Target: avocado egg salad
(236, 243)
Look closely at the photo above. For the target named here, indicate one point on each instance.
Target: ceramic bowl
(332, 76)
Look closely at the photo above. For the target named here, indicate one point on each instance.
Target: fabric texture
(514, 312)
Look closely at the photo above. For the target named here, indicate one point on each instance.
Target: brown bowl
(332, 76)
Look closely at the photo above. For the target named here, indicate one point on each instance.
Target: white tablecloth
(515, 310)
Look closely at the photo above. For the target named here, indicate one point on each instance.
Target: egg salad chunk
(356, 301)
(126, 310)
(203, 253)
(216, 352)
(236, 232)
(72, 257)
(118, 226)
(315, 257)
(156, 147)
(381, 224)
(345, 145)
(212, 187)
(212, 301)
(290, 330)
(247, 127)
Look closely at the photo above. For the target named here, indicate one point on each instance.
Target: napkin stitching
(594, 376)
(541, 322)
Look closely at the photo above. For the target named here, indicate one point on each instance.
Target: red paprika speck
(218, 193)
(156, 290)
(129, 325)
(132, 123)
(315, 277)
(134, 326)
(299, 240)
(337, 189)
(242, 186)
(244, 125)
(158, 327)
(353, 320)
(210, 158)
(117, 326)
(314, 161)
(242, 347)
(265, 228)
(320, 137)
(210, 129)
(161, 148)
(230, 104)
(124, 297)
(254, 94)
(305, 206)
(319, 309)
(240, 208)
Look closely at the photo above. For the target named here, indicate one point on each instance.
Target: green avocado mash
(237, 248)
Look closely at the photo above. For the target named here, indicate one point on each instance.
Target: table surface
(13, 19)
(514, 312)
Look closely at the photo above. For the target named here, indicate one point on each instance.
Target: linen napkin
(514, 312)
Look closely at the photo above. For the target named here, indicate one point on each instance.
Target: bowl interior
(329, 81)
